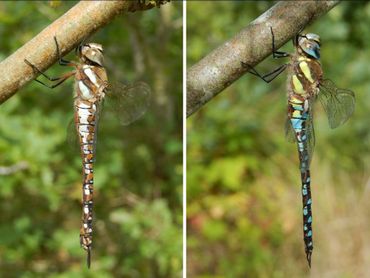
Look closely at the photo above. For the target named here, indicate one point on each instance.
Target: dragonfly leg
(277, 54)
(268, 77)
(61, 61)
(60, 79)
(40, 72)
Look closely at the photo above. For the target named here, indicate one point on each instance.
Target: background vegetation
(138, 173)
(243, 182)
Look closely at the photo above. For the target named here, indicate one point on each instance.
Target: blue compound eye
(311, 48)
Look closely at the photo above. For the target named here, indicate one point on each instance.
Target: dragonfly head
(309, 44)
(91, 53)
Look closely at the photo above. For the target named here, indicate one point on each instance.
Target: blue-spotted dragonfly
(306, 84)
(91, 88)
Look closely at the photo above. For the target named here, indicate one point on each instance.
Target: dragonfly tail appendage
(88, 257)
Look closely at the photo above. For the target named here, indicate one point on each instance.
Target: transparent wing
(129, 102)
(99, 112)
(338, 104)
(72, 138)
(289, 132)
(310, 135)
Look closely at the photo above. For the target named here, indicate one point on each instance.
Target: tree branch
(85, 18)
(222, 66)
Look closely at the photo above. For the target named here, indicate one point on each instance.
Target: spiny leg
(40, 72)
(277, 54)
(267, 77)
(61, 61)
(60, 79)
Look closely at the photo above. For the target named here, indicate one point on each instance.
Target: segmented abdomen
(307, 213)
(85, 119)
(299, 118)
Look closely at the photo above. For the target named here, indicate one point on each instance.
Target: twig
(222, 66)
(85, 18)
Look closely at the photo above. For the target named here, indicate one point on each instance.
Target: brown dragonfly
(129, 102)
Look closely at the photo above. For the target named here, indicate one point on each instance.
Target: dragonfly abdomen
(299, 114)
(85, 116)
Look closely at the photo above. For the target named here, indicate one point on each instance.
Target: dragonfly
(130, 102)
(305, 85)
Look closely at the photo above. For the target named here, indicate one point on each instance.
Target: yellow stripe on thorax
(298, 87)
(295, 100)
(306, 70)
(302, 58)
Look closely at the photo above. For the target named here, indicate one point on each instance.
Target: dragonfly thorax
(91, 53)
(309, 45)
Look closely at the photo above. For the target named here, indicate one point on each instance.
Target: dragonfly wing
(99, 112)
(339, 104)
(289, 132)
(310, 135)
(129, 102)
(72, 138)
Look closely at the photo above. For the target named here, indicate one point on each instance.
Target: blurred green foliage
(244, 206)
(138, 172)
